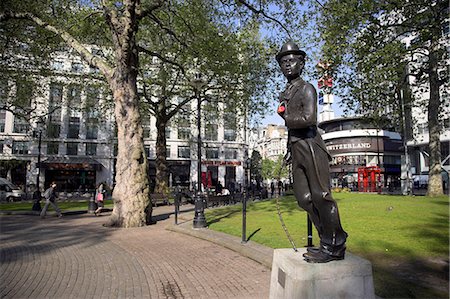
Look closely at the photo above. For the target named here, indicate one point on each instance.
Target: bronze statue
(298, 107)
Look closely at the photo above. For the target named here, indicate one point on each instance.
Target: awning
(71, 163)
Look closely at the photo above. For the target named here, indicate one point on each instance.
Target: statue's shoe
(312, 249)
(321, 257)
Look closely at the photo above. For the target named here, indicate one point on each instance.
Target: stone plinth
(292, 277)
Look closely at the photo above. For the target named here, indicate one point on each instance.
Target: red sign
(220, 163)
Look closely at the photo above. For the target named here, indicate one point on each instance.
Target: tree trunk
(162, 174)
(131, 193)
(434, 176)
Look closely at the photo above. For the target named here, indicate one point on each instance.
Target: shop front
(71, 174)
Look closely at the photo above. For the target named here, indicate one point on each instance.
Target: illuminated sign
(344, 146)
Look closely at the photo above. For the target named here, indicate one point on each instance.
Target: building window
(184, 133)
(20, 148)
(168, 130)
(212, 153)
(91, 129)
(20, 125)
(211, 132)
(150, 151)
(74, 100)
(74, 127)
(53, 130)
(92, 102)
(91, 149)
(4, 90)
(52, 148)
(24, 94)
(147, 132)
(230, 153)
(229, 135)
(184, 124)
(72, 148)
(54, 105)
(1, 146)
(184, 152)
(168, 151)
(229, 126)
(2, 120)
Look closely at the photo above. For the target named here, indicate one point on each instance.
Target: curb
(257, 252)
(36, 213)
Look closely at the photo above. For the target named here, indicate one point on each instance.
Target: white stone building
(73, 111)
(270, 141)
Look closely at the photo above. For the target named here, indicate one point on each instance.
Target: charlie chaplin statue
(310, 158)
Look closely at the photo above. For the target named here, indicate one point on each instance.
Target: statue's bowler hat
(289, 48)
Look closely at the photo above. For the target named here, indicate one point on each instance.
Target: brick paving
(75, 257)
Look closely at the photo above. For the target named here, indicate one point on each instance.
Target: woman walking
(99, 198)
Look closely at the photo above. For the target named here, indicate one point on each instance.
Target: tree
(380, 50)
(233, 67)
(267, 169)
(115, 25)
(256, 166)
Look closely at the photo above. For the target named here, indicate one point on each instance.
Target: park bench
(159, 198)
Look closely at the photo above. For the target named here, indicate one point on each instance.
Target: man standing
(298, 107)
(50, 197)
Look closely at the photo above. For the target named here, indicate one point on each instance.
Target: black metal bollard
(92, 206)
(244, 219)
(37, 201)
(199, 218)
(177, 206)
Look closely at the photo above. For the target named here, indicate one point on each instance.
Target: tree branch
(263, 13)
(164, 59)
(142, 13)
(67, 37)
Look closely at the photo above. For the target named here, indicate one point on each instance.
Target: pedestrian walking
(272, 188)
(50, 199)
(99, 198)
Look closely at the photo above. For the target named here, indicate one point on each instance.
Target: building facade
(364, 158)
(68, 124)
(270, 141)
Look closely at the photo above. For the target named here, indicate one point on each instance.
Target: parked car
(9, 191)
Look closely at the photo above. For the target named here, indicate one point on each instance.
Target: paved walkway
(75, 257)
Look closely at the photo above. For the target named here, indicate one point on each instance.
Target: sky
(272, 117)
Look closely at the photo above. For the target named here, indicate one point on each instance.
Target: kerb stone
(292, 277)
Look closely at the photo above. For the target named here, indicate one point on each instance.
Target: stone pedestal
(292, 277)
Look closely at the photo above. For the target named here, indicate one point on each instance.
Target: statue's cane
(285, 162)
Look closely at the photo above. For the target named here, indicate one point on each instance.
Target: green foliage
(385, 229)
(256, 166)
(267, 169)
(363, 40)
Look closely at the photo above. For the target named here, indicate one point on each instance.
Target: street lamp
(199, 219)
(37, 193)
(247, 163)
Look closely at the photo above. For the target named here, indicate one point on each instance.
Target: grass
(63, 205)
(402, 236)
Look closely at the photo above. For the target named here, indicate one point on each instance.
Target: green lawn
(63, 205)
(405, 238)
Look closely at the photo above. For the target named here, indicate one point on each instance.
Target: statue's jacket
(300, 115)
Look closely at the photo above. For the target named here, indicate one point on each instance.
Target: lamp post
(247, 163)
(37, 193)
(199, 219)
